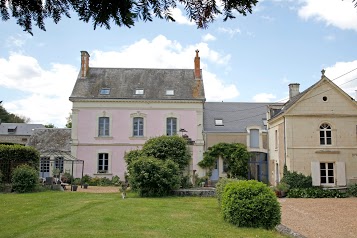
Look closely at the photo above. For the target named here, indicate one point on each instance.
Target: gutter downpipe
(285, 142)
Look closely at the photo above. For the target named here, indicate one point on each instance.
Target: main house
(116, 110)
(315, 133)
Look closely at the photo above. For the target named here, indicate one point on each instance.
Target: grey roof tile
(122, 83)
(51, 139)
(22, 129)
(236, 116)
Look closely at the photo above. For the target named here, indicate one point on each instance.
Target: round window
(324, 98)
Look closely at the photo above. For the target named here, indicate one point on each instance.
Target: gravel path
(321, 218)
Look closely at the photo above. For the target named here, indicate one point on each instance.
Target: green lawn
(70, 214)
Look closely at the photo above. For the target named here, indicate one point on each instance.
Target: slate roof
(237, 116)
(20, 129)
(123, 82)
(51, 139)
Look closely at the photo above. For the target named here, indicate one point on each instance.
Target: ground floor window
(59, 164)
(327, 175)
(103, 162)
(45, 165)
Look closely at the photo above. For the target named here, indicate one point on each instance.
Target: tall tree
(122, 12)
(5, 116)
(69, 121)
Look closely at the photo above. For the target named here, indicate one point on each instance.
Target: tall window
(103, 162)
(59, 164)
(103, 129)
(45, 165)
(254, 138)
(138, 126)
(276, 139)
(171, 126)
(327, 173)
(325, 134)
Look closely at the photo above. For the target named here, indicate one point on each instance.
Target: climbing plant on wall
(235, 155)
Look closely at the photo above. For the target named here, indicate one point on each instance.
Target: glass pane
(323, 179)
(323, 172)
(330, 173)
(328, 141)
(322, 134)
(330, 180)
(330, 165)
(322, 141)
(322, 165)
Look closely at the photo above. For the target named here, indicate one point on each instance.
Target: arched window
(325, 134)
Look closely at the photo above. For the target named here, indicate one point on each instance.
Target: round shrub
(24, 179)
(250, 204)
(153, 177)
(221, 184)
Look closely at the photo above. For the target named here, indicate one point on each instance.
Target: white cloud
(16, 41)
(338, 13)
(164, 53)
(229, 31)
(347, 82)
(180, 18)
(47, 90)
(264, 97)
(208, 37)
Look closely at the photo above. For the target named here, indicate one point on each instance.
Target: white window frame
(325, 173)
(100, 168)
(325, 134)
(170, 131)
(170, 92)
(218, 122)
(136, 122)
(106, 126)
(132, 116)
(104, 91)
(139, 91)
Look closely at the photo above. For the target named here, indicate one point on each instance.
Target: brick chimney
(293, 90)
(197, 66)
(84, 63)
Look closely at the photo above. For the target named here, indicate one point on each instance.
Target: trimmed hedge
(250, 204)
(152, 177)
(315, 192)
(24, 179)
(14, 155)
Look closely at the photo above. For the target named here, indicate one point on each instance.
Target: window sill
(138, 138)
(103, 138)
(103, 173)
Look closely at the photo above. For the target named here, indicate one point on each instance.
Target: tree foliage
(152, 177)
(122, 13)
(296, 180)
(235, 155)
(7, 117)
(168, 148)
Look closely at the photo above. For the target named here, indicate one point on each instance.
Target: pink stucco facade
(86, 144)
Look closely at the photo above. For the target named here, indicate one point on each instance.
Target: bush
(221, 184)
(168, 148)
(186, 182)
(24, 179)
(352, 190)
(153, 177)
(315, 192)
(250, 204)
(66, 178)
(296, 180)
(115, 181)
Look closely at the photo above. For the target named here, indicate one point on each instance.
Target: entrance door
(215, 172)
(45, 167)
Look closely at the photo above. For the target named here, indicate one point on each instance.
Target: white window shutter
(315, 173)
(341, 174)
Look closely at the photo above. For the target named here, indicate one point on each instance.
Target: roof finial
(323, 72)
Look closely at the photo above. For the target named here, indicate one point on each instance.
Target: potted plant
(281, 189)
(74, 185)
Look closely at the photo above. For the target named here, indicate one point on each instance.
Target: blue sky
(247, 59)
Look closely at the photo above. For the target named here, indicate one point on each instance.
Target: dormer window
(105, 91)
(170, 92)
(11, 129)
(218, 122)
(139, 91)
